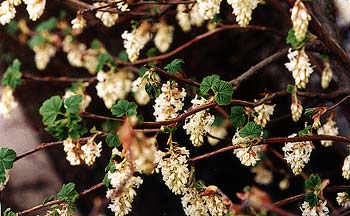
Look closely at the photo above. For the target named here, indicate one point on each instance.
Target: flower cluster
(319, 210)
(140, 94)
(328, 129)
(193, 203)
(300, 19)
(186, 20)
(7, 102)
(173, 166)
(262, 175)
(346, 168)
(77, 89)
(296, 108)
(108, 19)
(198, 124)
(208, 8)
(169, 102)
(299, 65)
(112, 86)
(217, 131)
(264, 112)
(35, 8)
(215, 204)
(343, 199)
(87, 153)
(327, 75)
(123, 188)
(3, 183)
(134, 41)
(7, 12)
(78, 22)
(143, 151)
(62, 210)
(243, 9)
(43, 53)
(164, 36)
(297, 154)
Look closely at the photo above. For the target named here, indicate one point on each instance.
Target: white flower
(7, 177)
(342, 7)
(195, 18)
(79, 89)
(169, 102)
(7, 102)
(208, 8)
(243, 9)
(134, 41)
(113, 86)
(75, 55)
(328, 129)
(174, 169)
(43, 54)
(79, 22)
(90, 60)
(35, 8)
(91, 151)
(297, 154)
(217, 131)
(215, 205)
(346, 168)
(327, 75)
(73, 151)
(15, 2)
(284, 184)
(164, 36)
(7, 12)
(300, 19)
(343, 199)
(198, 124)
(319, 210)
(264, 111)
(299, 65)
(183, 18)
(143, 151)
(296, 108)
(193, 203)
(140, 94)
(262, 175)
(62, 210)
(108, 19)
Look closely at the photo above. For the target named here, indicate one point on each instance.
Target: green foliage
(153, 90)
(305, 132)
(68, 194)
(216, 19)
(106, 181)
(112, 140)
(174, 66)
(123, 56)
(250, 130)
(47, 25)
(9, 212)
(219, 121)
(312, 199)
(12, 28)
(223, 92)
(7, 157)
(95, 44)
(36, 40)
(309, 112)
(291, 89)
(48, 199)
(237, 116)
(12, 75)
(151, 52)
(208, 83)
(292, 40)
(313, 182)
(104, 59)
(124, 107)
(63, 124)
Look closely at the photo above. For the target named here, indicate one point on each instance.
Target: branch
(57, 79)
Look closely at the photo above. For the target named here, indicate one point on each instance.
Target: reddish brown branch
(57, 79)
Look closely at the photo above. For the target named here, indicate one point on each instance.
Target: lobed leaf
(124, 107)
(250, 130)
(237, 116)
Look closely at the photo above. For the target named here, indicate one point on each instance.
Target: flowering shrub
(136, 97)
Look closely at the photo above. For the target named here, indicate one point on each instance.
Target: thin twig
(28, 76)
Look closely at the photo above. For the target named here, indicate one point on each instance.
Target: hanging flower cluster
(296, 108)
(346, 168)
(208, 8)
(193, 203)
(262, 175)
(169, 102)
(264, 112)
(297, 154)
(78, 22)
(7, 103)
(319, 210)
(35, 9)
(199, 124)
(164, 36)
(188, 19)
(108, 18)
(3, 183)
(327, 75)
(216, 131)
(343, 199)
(243, 10)
(328, 129)
(300, 19)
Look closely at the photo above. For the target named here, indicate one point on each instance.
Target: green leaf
(153, 90)
(237, 116)
(123, 56)
(12, 75)
(7, 157)
(106, 181)
(312, 182)
(9, 212)
(112, 140)
(151, 52)
(216, 19)
(47, 25)
(312, 199)
(95, 44)
(223, 92)
(50, 108)
(124, 107)
(291, 89)
(104, 59)
(54, 213)
(292, 40)
(142, 71)
(250, 130)
(219, 121)
(72, 104)
(305, 132)
(174, 66)
(36, 40)
(68, 194)
(309, 112)
(12, 28)
(208, 83)
(48, 199)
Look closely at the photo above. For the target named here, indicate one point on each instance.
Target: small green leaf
(216, 19)
(291, 89)
(208, 83)
(237, 116)
(12, 28)
(151, 52)
(309, 112)
(112, 140)
(292, 40)
(153, 90)
(312, 199)
(12, 75)
(50, 108)
(36, 40)
(312, 182)
(142, 71)
(124, 107)
(48, 199)
(250, 130)
(72, 104)
(305, 132)
(9, 212)
(47, 25)
(219, 121)
(68, 194)
(104, 59)
(106, 181)
(174, 66)
(7, 156)
(95, 44)
(123, 56)
(223, 92)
